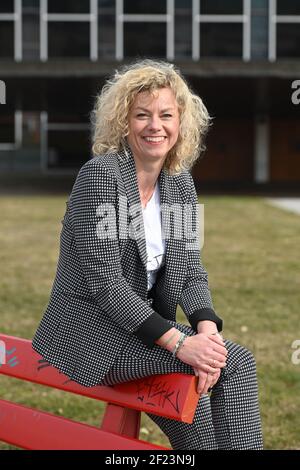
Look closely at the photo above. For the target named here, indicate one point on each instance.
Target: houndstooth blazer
(99, 302)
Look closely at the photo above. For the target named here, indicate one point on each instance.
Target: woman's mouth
(155, 140)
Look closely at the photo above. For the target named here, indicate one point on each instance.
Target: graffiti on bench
(43, 363)
(155, 392)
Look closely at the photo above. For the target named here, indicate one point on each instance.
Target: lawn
(251, 252)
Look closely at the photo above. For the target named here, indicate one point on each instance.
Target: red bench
(173, 396)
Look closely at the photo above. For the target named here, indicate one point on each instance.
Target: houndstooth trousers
(228, 419)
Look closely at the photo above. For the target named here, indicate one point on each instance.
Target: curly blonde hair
(110, 115)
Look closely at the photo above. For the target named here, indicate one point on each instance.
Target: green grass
(251, 252)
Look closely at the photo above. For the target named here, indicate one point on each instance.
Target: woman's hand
(206, 381)
(202, 380)
(204, 353)
(212, 379)
(209, 329)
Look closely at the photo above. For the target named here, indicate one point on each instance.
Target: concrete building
(241, 56)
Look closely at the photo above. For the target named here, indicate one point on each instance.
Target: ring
(213, 363)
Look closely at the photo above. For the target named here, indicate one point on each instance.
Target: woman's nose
(154, 123)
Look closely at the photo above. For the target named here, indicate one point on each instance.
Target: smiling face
(153, 125)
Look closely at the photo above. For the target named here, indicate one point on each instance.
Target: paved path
(289, 204)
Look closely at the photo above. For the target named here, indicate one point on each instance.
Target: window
(221, 40)
(288, 40)
(65, 141)
(11, 130)
(221, 7)
(143, 47)
(11, 29)
(7, 138)
(284, 29)
(221, 29)
(6, 39)
(7, 135)
(68, 149)
(288, 7)
(6, 6)
(133, 18)
(68, 6)
(65, 40)
(146, 7)
(59, 35)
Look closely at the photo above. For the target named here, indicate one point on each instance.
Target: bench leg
(124, 421)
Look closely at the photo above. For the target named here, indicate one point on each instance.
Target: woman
(127, 259)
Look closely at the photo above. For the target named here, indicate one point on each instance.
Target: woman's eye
(144, 115)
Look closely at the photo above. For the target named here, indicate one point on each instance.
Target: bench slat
(37, 430)
(170, 395)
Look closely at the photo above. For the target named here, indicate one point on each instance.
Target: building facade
(241, 56)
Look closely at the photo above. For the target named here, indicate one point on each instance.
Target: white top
(155, 244)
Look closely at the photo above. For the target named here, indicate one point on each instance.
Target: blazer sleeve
(195, 299)
(92, 211)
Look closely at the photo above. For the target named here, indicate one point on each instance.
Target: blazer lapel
(134, 206)
(170, 199)
(165, 203)
(168, 196)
